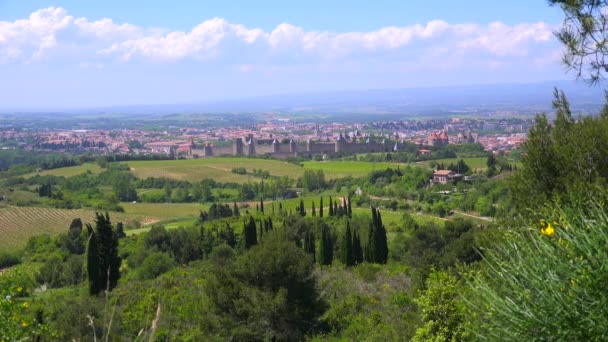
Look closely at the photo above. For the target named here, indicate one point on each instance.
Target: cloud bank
(52, 33)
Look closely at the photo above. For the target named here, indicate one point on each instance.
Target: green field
(18, 224)
(67, 171)
(218, 169)
(163, 211)
(340, 169)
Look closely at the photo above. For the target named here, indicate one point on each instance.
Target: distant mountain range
(524, 98)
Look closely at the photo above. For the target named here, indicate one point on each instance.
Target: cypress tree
(262, 229)
(347, 246)
(321, 208)
(109, 261)
(251, 237)
(302, 211)
(331, 208)
(326, 249)
(314, 212)
(370, 251)
(357, 250)
(335, 208)
(350, 209)
(382, 240)
(262, 206)
(257, 208)
(235, 210)
(309, 244)
(93, 263)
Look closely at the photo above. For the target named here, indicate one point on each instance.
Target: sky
(75, 53)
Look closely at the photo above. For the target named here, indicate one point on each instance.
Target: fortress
(342, 145)
(283, 150)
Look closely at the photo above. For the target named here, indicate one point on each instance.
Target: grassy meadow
(67, 171)
(218, 169)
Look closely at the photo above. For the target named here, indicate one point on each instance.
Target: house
(444, 176)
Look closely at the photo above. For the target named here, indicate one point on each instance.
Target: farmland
(163, 211)
(17, 224)
(218, 169)
(340, 169)
(67, 171)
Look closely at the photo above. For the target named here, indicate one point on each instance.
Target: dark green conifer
(347, 247)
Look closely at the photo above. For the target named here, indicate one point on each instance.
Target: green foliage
(377, 245)
(546, 282)
(346, 247)
(103, 262)
(565, 163)
(154, 265)
(584, 34)
(313, 180)
(443, 316)
(257, 300)
(326, 245)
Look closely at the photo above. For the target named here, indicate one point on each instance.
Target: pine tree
(314, 212)
(321, 208)
(347, 247)
(357, 250)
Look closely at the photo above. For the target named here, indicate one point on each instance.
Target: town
(280, 139)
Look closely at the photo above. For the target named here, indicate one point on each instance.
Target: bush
(8, 259)
(547, 281)
(154, 265)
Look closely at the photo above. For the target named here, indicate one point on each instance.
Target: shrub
(547, 281)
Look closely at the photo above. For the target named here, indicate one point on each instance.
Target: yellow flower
(547, 230)
(24, 324)
(26, 305)
(20, 289)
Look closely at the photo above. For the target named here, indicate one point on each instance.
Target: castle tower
(340, 143)
(237, 147)
(292, 146)
(250, 147)
(208, 150)
(276, 146)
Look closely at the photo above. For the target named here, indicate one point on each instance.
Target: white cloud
(28, 39)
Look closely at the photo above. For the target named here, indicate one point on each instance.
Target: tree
(321, 208)
(302, 210)
(250, 232)
(584, 35)
(326, 247)
(357, 250)
(442, 316)
(104, 268)
(309, 244)
(491, 163)
(347, 247)
(377, 245)
(235, 210)
(262, 206)
(314, 211)
(93, 263)
(350, 209)
(331, 208)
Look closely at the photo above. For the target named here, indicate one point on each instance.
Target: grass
(163, 211)
(18, 224)
(169, 225)
(218, 169)
(340, 169)
(67, 171)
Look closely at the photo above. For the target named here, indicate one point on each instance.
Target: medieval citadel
(343, 144)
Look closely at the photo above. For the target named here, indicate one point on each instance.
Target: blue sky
(65, 54)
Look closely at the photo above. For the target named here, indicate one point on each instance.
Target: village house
(445, 176)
